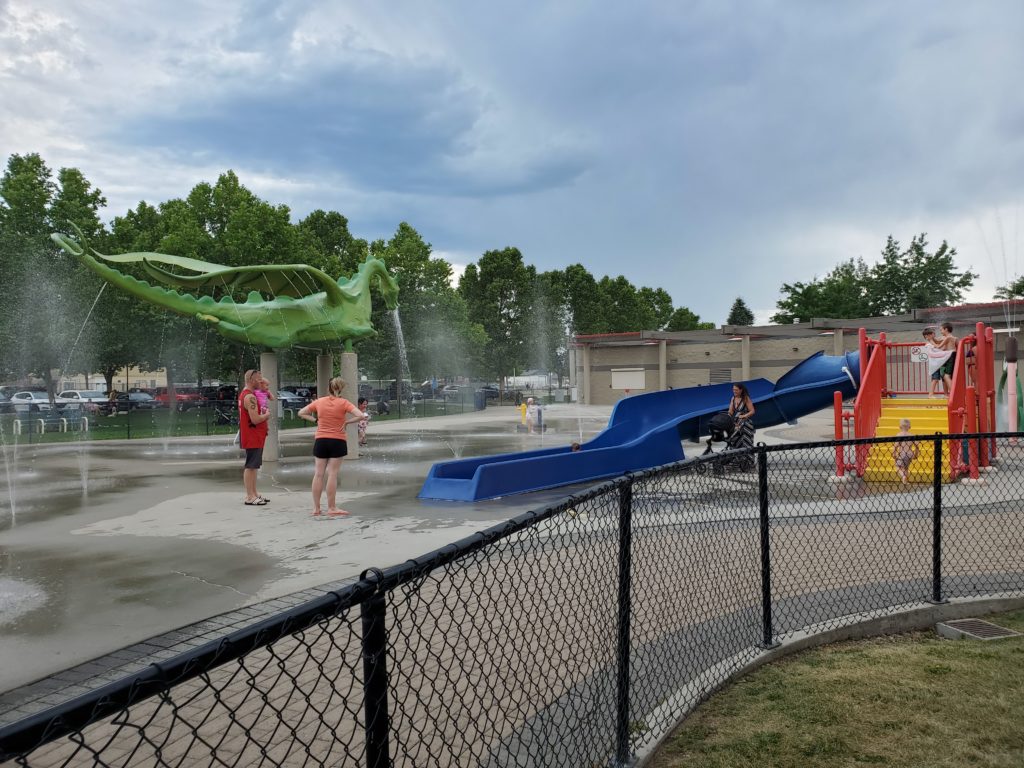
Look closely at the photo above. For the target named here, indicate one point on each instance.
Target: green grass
(908, 700)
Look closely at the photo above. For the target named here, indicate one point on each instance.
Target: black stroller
(723, 429)
(225, 417)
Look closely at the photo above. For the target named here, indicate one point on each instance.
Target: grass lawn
(908, 700)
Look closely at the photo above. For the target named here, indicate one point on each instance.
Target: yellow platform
(927, 416)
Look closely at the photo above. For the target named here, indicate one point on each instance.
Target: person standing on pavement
(331, 414)
(253, 435)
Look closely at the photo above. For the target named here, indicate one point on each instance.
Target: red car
(185, 397)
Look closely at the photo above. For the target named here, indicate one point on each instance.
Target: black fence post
(768, 633)
(937, 522)
(375, 679)
(622, 748)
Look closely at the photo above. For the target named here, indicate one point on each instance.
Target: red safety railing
(962, 410)
(972, 402)
(907, 370)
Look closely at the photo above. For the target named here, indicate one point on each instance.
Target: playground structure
(644, 431)
(895, 386)
(890, 381)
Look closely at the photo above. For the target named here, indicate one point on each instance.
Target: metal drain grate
(973, 629)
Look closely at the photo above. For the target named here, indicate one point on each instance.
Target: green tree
(1012, 290)
(843, 292)
(585, 306)
(916, 278)
(904, 279)
(50, 300)
(325, 238)
(740, 313)
(498, 292)
(440, 338)
(26, 191)
(683, 319)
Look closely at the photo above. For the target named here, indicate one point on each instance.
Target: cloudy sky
(714, 149)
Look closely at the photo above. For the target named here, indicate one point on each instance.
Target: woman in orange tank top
(331, 415)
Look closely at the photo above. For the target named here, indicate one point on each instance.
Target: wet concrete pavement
(104, 543)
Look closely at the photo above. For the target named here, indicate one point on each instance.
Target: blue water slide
(644, 431)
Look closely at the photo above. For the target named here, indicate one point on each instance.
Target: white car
(32, 401)
(89, 399)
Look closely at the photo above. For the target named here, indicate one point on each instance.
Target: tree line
(59, 319)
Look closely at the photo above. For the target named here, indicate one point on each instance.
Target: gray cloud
(713, 149)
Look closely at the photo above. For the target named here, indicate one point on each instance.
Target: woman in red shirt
(331, 414)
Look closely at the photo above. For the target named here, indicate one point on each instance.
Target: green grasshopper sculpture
(308, 308)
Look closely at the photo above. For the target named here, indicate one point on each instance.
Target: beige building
(604, 368)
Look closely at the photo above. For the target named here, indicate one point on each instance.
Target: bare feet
(336, 513)
(316, 513)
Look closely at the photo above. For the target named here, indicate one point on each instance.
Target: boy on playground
(948, 342)
(932, 348)
(904, 453)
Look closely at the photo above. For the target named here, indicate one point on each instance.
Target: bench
(61, 420)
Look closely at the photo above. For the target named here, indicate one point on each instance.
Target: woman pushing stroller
(735, 428)
(741, 408)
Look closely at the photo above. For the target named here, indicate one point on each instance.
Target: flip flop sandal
(264, 499)
(256, 503)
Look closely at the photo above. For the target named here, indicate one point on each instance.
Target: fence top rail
(941, 436)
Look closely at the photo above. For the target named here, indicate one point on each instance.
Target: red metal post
(883, 350)
(971, 426)
(862, 346)
(837, 407)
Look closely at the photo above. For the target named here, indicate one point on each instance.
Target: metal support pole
(622, 748)
(375, 682)
(982, 370)
(971, 427)
(768, 633)
(937, 521)
(837, 410)
(272, 447)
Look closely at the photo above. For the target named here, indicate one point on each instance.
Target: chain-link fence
(573, 636)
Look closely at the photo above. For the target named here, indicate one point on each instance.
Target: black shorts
(253, 458)
(330, 448)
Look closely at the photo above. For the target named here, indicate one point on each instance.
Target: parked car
(6, 406)
(135, 401)
(490, 391)
(451, 391)
(304, 392)
(184, 397)
(90, 400)
(32, 400)
(290, 399)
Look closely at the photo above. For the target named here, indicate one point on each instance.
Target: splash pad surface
(108, 543)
